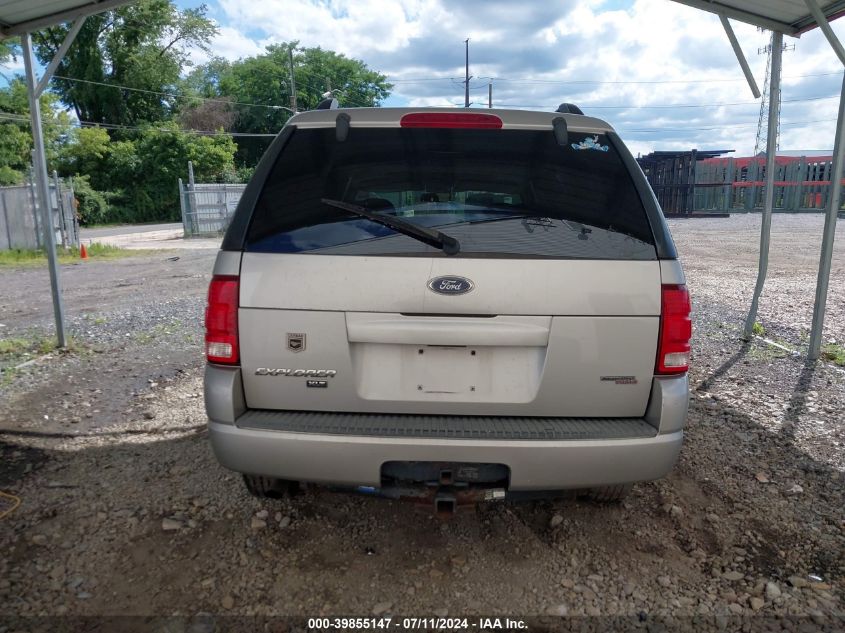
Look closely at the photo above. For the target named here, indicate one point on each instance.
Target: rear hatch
(550, 307)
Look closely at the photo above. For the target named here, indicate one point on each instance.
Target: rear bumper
(355, 460)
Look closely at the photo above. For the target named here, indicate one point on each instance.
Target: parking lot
(124, 510)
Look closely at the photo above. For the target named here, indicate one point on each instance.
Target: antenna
(763, 120)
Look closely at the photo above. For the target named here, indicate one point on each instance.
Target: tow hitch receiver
(447, 486)
(446, 499)
(444, 503)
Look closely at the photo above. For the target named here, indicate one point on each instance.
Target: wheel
(269, 487)
(609, 494)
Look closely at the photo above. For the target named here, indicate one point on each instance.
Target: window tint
(501, 193)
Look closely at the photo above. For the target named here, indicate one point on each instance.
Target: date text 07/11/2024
(415, 623)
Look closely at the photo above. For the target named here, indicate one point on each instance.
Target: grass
(17, 350)
(757, 329)
(834, 353)
(157, 331)
(96, 251)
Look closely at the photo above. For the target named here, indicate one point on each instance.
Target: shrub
(92, 206)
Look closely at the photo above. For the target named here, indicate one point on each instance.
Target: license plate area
(440, 373)
(444, 369)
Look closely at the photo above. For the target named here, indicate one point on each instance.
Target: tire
(269, 487)
(609, 494)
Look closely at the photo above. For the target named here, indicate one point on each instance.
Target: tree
(16, 135)
(259, 88)
(163, 154)
(137, 178)
(209, 114)
(143, 45)
(86, 152)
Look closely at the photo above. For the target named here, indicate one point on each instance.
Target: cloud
(638, 55)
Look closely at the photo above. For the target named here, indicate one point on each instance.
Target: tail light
(675, 330)
(221, 321)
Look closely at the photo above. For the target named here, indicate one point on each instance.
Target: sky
(663, 74)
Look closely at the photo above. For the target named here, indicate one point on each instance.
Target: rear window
(500, 193)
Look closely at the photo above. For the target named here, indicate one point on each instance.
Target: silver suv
(447, 305)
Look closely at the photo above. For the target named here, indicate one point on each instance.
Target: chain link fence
(21, 219)
(207, 208)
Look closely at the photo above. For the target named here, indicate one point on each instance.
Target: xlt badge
(296, 341)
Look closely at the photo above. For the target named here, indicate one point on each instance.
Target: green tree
(87, 151)
(263, 82)
(160, 158)
(15, 133)
(135, 180)
(143, 45)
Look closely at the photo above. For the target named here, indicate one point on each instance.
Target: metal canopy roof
(23, 16)
(790, 17)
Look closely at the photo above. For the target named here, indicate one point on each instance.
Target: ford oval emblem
(450, 285)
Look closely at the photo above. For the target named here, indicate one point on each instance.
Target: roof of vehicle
(390, 117)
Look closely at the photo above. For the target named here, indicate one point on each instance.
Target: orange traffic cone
(83, 252)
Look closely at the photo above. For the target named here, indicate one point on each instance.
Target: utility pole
(490, 94)
(292, 82)
(466, 81)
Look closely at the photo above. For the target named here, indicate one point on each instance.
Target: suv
(449, 306)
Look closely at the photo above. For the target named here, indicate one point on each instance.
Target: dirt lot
(124, 510)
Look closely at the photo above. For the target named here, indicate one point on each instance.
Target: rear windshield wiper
(432, 237)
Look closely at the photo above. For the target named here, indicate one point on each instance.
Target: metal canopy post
(34, 90)
(740, 56)
(833, 203)
(768, 205)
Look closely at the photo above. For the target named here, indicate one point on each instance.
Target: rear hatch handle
(432, 237)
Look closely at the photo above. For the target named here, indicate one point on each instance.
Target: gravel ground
(124, 510)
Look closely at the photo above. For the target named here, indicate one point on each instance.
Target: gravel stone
(257, 524)
(558, 610)
(168, 524)
(382, 608)
(772, 591)
(798, 581)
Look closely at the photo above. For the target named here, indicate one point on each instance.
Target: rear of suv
(448, 305)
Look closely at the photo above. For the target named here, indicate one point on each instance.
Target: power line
(187, 96)
(717, 127)
(669, 106)
(639, 107)
(170, 94)
(117, 126)
(10, 116)
(529, 80)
